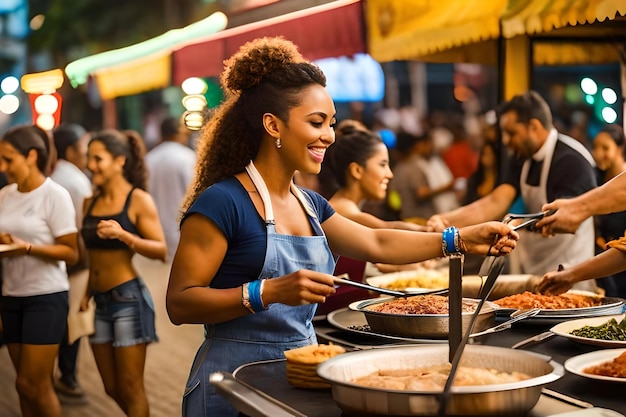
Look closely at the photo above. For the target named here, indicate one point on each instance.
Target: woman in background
(608, 152)
(120, 220)
(355, 169)
(37, 215)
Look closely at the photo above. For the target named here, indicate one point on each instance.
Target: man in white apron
(554, 166)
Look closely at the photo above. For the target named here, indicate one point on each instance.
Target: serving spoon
(515, 317)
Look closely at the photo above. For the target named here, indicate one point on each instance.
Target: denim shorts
(124, 315)
(35, 320)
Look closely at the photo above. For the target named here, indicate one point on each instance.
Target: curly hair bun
(349, 126)
(255, 60)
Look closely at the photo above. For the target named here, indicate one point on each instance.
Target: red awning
(333, 29)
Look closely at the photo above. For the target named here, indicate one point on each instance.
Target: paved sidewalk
(167, 364)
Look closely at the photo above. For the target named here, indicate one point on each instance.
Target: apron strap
(259, 183)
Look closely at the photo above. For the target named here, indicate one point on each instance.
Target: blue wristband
(254, 292)
(450, 241)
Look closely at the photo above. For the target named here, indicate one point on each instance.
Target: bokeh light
(588, 86)
(45, 121)
(609, 95)
(37, 22)
(9, 85)
(46, 104)
(9, 104)
(194, 85)
(609, 115)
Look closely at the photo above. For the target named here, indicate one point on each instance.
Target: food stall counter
(580, 393)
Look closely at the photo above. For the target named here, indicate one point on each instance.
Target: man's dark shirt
(570, 175)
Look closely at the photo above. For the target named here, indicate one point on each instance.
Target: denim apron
(265, 335)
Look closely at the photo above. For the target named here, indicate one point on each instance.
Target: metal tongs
(529, 222)
(344, 279)
(529, 219)
(492, 267)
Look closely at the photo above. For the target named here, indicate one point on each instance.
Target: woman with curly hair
(120, 220)
(256, 252)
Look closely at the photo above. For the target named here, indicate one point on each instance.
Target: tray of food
(414, 281)
(425, 281)
(422, 316)
(605, 365)
(353, 321)
(569, 305)
(605, 331)
(408, 380)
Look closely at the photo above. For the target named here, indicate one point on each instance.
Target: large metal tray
(355, 322)
(516, 398)
(422, 325)
(610, 306)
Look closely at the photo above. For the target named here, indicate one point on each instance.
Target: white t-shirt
(76, 182)
(37, 217)
(171, 167)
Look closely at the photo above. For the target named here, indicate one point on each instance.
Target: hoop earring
(277, 143)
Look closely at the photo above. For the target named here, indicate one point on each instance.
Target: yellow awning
(409, 29)
(545, 53)
(541, 16)
(138, 76)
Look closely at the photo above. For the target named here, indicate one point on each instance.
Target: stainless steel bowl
(516, 398)
(434, 326)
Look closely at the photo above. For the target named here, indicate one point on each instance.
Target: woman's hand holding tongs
(493, 238)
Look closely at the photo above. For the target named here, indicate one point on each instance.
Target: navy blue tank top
(90, 224)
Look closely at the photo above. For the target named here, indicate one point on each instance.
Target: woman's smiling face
(376, 174)
(309, 131)
(102, 164)
(605, 151)
(12, 163)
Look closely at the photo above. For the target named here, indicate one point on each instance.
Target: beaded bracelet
(245, 298)
(261, 294)
(451, 241)
(254, 291)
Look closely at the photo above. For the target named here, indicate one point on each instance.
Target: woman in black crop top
(119, 221)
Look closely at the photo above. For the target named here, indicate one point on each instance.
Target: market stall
(514, 35)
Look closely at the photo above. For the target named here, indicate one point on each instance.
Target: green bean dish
(611, 330)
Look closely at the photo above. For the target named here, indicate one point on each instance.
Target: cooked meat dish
(528, 299)
(615, 368)
(420, 304)
(433, 378)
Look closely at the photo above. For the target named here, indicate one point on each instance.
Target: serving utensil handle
(342, 280)
(494, 272)
(455, 300)
(249, 400)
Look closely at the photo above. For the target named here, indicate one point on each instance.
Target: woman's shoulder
(140, 199)
(344, 206)
(52, 190)
(229, 192)
(230, 187)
